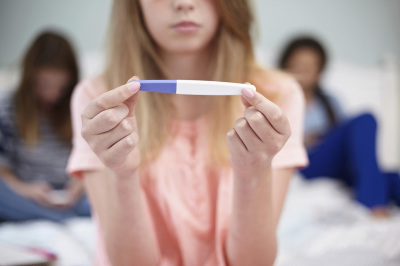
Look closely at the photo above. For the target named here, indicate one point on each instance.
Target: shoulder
(88, 89)
(278, 86)
(331, 98)
(335, 103)
(7, 103)
(7, 98)
(8, 113)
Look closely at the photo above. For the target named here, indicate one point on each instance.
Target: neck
(187, 66)
(194, 66)
(310, 94)
(44, 109)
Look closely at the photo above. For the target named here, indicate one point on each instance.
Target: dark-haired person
(35, 137)
(338, 146)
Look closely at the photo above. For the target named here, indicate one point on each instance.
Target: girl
(35, 136)
(338, 147)
(173, 179)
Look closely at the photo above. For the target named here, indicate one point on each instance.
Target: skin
(305, 65)
(109, 127)
(49, 87)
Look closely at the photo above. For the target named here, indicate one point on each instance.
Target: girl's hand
(258, 136)
(36, 191)
(109, 127)
(68, 197)
(75, 191)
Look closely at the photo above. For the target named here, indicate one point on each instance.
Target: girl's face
(305, 65)
(50, 85)
(181, 26)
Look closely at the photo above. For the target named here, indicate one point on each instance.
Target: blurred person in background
(338, 146)
(35, 137)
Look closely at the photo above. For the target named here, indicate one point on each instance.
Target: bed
(320, 225)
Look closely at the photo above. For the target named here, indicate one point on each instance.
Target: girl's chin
(48, 103)
(184, 47)
(185, 50)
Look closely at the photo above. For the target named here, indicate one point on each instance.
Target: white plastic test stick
(194, 87)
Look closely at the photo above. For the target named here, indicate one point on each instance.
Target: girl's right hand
(37, 191)
(109, 127)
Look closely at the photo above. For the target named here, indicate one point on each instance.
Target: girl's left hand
(258, 136)
(75, 191)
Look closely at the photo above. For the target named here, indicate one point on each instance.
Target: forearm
(252, 238)
(11, 180)
(120, 207)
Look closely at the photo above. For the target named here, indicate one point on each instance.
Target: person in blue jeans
(338, 146)
(36, 134)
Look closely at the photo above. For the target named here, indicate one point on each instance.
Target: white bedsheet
(320, 225)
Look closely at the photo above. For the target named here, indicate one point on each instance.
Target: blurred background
(345, 26)
(362, 38)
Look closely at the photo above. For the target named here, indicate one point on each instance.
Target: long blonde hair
(132, 51)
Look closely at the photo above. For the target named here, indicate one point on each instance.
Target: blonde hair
(132, 51)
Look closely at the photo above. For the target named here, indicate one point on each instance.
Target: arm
(119, 206)
(280, 184)
(10, 179)
(258, 192)
(75, 190)
(109, 127)
(39, 192)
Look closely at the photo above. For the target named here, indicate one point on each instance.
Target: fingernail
(248, 93)
(134, 86)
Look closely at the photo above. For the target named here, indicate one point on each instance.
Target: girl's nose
(183, 5)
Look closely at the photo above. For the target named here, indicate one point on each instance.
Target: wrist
(123, 176)
(124, 182)
(252, 174)
(17, 185)
(76, 190)
(124, 187)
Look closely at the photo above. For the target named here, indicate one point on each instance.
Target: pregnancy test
(193, 87)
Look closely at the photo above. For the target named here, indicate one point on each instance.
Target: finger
(106, 140)
(131, 102)
(270, 110)
(235, 144)
(44, 187)
(244, 101)
(118, 153)
(247, 135)
(110, 99)
(106, 120)
(43, 199)
(133, 79)
(259, 123)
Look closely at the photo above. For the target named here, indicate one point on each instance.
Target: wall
(345, 25)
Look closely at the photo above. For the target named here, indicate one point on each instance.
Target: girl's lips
(186, 27)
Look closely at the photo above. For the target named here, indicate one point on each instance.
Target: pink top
(189, 202)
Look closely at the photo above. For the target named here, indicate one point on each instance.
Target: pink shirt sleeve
(82, 157)
(293, 154)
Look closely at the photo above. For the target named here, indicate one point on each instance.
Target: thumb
(131, 102)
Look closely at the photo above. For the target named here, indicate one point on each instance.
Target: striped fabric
(44, 162)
